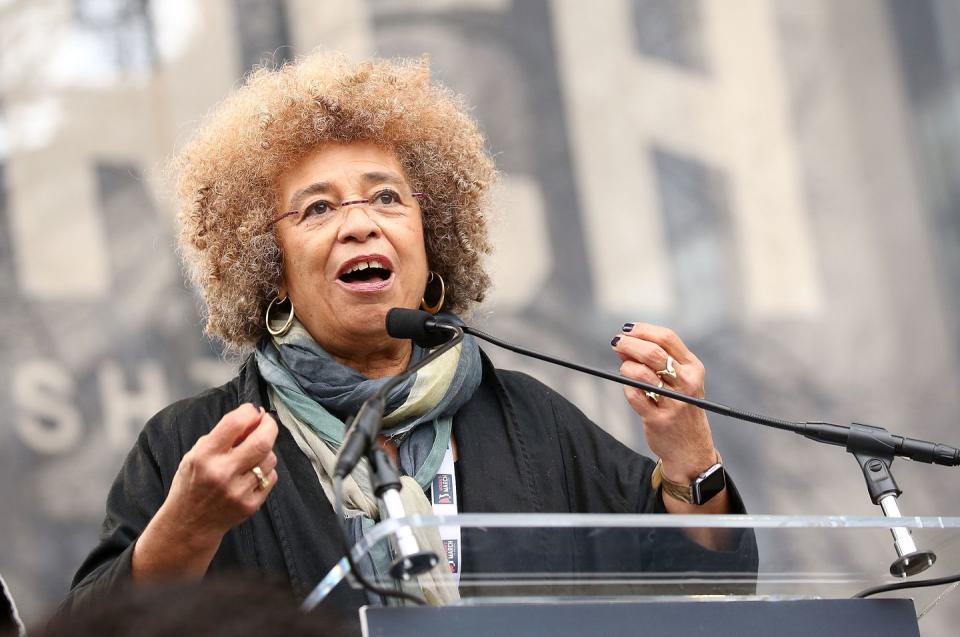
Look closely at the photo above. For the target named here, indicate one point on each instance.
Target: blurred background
(778, 181)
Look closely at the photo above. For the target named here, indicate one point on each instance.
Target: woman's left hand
(676, 432)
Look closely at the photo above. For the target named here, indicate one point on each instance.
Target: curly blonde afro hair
(228, 174)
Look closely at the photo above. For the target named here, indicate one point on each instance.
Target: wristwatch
(704, 487)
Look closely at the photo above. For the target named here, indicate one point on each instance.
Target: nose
(357, 225)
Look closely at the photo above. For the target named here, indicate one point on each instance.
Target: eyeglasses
(386, 201)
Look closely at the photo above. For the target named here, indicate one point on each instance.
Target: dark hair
(235, 606)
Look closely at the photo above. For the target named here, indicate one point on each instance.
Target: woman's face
(344, 267)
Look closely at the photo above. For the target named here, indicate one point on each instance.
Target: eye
(316, 209)
(386, 197)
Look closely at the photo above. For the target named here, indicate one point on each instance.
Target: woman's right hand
(213, 490)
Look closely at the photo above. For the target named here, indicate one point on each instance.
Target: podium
(610, 574)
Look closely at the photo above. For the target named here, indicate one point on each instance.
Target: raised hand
(676, 432)
(215, 488)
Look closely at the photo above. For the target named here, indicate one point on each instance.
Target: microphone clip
(411, 560)
(874, 449)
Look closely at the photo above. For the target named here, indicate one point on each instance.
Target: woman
(316, 198)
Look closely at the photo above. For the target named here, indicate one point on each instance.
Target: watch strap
(682, 492)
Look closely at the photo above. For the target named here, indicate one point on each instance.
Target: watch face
(710, 483)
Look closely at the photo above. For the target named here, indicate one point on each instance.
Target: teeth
(363, 265)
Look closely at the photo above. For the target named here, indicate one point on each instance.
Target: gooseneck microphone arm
(873, 447)
(854, 438)
(707, 405)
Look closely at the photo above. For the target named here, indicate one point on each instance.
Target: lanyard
(443, 498)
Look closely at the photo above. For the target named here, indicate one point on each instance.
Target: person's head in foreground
(234, 606)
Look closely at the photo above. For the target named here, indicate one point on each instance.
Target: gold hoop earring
(433, 309)
(286, 326)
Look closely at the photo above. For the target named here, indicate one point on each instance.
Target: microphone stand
(411, 559)
(360, 439)
(873, 447)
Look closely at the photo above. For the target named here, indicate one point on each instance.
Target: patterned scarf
(313, 395)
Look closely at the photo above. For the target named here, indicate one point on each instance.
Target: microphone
(421, 327)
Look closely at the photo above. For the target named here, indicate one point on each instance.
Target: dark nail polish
(627, 327)
(613, 343)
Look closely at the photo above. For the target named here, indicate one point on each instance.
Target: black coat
(522, 448)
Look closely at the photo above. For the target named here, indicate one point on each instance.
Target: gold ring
(264, 481)
(655, 397)
(669, 370)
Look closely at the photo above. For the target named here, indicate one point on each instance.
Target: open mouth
(367, 273)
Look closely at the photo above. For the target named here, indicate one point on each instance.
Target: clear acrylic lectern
(599, 574)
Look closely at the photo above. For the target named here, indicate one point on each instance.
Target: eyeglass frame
(419, 196)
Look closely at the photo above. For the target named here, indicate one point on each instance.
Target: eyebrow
(321, 187)
(317, 188)
(381, 177)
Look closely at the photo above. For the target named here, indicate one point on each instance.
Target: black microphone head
(417, 325)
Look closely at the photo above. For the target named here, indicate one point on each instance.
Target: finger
(231, 427)
(646, 352)
(257, 445)
(268, 464)
(640, 402)
(638, 398)
(690, 378)
(272, 478)
(250, 494)
(251, 483)
(249, 430)
(638, 371)
(662, 336)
